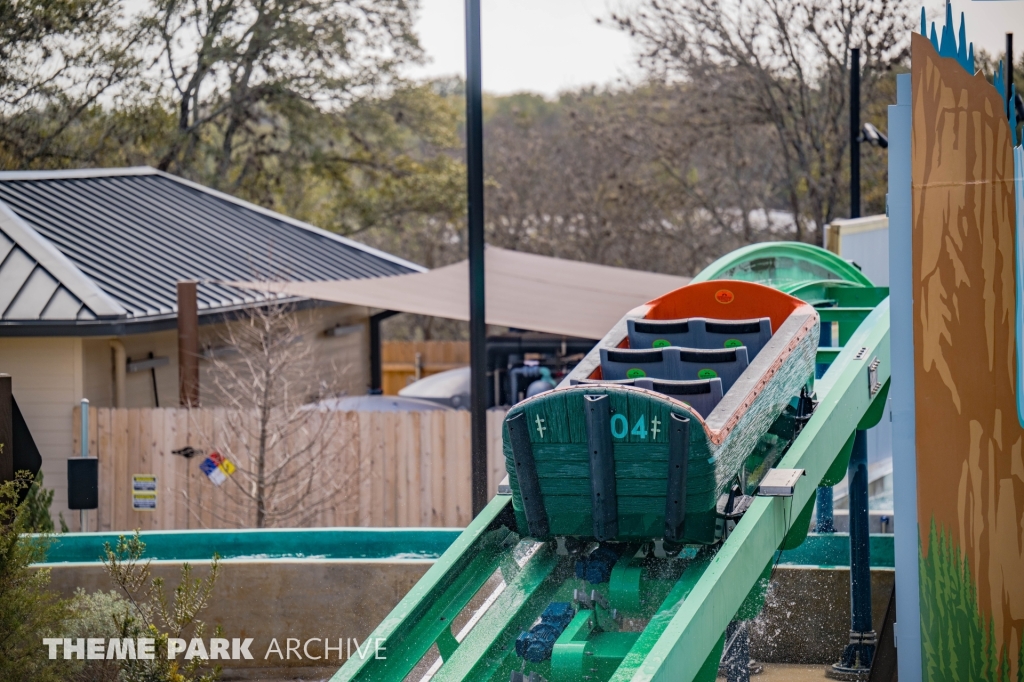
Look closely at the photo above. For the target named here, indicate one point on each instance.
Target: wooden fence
(402, 362)
(389, 468)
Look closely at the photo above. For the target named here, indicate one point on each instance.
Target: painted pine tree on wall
(952, 624)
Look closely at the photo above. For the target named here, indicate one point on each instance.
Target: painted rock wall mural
(970, 465)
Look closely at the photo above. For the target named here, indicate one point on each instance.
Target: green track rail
(461, 619)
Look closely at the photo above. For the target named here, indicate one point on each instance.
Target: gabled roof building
(90, 262)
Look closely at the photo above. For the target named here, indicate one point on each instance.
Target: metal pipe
(84, 443)
(514, 375)
(376, 366)
(824, 511)
(736, 659)
(860, 556)
(855, 132)
(823, 508)
(477, 312)
(859, 653)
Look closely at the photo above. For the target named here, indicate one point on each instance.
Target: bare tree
(267, 375)
(782, 64)
(622, 178)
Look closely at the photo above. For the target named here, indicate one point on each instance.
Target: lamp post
(855, 132)
(855, 663)
(477, 312)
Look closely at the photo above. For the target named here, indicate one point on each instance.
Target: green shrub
(155, 614)
(29, 611)
(36, 508)
(99, 614)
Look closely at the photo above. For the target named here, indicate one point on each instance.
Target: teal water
(395, 544)
(378, 544)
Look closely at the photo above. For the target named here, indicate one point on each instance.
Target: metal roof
(111, 244)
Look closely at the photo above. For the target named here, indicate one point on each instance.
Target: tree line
(737, 133)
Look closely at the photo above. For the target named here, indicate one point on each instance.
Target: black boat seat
(702, 395)
(617, 382)
(628, 363)
(699, 332)
(687, 333)
(753, 334)
(725, 363)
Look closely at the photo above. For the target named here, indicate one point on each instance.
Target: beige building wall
(139, 385)
(340, 363)
(52, 374)
(47, 376)
(98, 377)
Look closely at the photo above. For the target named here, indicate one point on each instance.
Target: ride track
(461, 620)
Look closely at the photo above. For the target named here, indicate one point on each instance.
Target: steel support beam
(858, 654)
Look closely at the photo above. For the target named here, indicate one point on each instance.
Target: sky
(528, 45)
(546, 46)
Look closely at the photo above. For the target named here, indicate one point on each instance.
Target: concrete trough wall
(348, 580)
(302, 599)
(806, 617)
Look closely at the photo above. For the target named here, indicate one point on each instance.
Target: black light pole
(855, 133)
(477, 319)
(855, 663)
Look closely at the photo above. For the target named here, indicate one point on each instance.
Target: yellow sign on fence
(144, 492)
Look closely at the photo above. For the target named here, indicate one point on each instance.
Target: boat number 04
(620, 427)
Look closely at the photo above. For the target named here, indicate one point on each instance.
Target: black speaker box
(83, 483)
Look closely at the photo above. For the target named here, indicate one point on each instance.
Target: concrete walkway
(781, 672)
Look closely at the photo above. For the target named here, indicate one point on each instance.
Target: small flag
(217, 468)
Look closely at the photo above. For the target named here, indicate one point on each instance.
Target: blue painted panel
(902, 394)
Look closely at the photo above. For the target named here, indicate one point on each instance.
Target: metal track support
(858, 654)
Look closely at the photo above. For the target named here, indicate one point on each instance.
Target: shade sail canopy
(524, 291)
